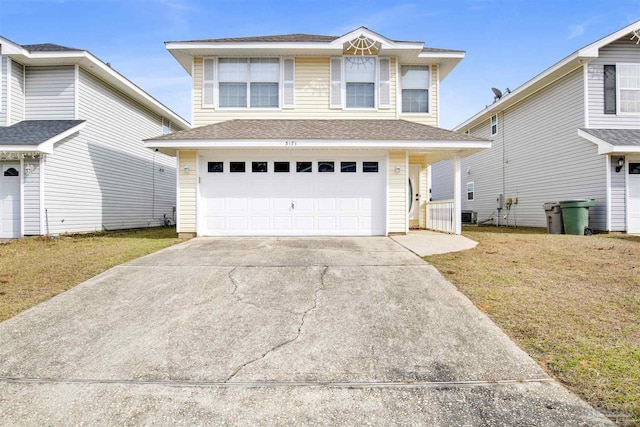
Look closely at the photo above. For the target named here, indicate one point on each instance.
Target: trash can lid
(580, 203)
(548, 206)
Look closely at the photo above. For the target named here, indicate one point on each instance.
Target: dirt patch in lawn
(571, 302)
(33, 270)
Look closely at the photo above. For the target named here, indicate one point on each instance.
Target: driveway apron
(272, 331)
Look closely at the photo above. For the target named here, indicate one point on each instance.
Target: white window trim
(491, 125)
(618, 99)
(473, 184)
(429, 112)
(376, 85)
(216, 91)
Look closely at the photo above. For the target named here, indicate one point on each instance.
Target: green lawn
(571, 302)
(33, 270)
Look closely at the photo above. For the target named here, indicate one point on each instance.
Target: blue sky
(507, 41)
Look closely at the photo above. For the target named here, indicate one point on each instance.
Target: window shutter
(335, 92)
(208, 82)
(288, 82)
(610, 89)
(384, 84)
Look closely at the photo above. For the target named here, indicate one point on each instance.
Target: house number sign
(290, 143)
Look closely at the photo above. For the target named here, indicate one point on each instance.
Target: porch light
(620, 164)
(397, 168)
(28, 168)
(186, 169)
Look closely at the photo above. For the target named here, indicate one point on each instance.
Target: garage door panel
(326, 205)
(291, 203)
(327, 223)
(303, 223)
(281, 223)
(260, 223)
(237, 223)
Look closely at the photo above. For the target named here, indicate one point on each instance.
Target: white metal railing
(441, 216)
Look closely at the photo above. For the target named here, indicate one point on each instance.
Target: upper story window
(248, 82)
(360, 81)
(166, 126)
(494, 124)
(415, 88)
(628, 88)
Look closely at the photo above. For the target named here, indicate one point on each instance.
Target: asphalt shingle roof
(49, 47)
(293, 38)
(618, 137)
(33, 132)
(382, 130)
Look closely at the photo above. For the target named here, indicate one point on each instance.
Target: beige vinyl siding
(430, 119)
(621, 51)
(3, 90)
(311, 97)
(618, 196)
(50, 93)
(397, 193)
(17, 93)
(537, 157)
(31, 197)
(103, 177)
(187, 192)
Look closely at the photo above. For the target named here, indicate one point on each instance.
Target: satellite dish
(497, 93)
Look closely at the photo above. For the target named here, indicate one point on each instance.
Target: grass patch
(33, 270)
(571, 302)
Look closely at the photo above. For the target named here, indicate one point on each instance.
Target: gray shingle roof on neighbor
(49, 47)
(618, 137)
(381, 130)
(33, 132)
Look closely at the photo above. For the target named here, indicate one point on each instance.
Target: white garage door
(268, 194)
(9, 200)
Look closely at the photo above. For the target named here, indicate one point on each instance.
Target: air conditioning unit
(469, 217)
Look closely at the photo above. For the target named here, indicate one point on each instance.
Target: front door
(633, 199)
(9, 200)
(413, 189)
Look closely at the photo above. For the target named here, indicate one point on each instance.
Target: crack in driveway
(286, 342)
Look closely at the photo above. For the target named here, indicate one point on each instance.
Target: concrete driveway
(272, 331)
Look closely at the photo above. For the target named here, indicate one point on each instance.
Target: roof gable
(570, 63)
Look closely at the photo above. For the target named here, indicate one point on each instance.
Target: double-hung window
(628, 88)
(494, 124)
(360, 81)
(415, 88)
(248, 82)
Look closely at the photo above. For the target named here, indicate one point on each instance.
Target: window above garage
(254, 83)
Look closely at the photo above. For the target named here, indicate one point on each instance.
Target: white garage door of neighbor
(9, 200)
(266, 194)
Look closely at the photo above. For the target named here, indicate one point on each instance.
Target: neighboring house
(71, 151)
(571, 132)
(305, 134)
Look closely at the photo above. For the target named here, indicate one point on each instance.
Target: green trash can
(575, 215)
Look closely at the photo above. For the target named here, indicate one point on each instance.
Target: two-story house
(71, 152)
(571, 132)
(305, 134)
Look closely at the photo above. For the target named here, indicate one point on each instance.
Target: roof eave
(99, 68)
(548, 76)
(606, 148)
(436, 145)
(45, 147)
